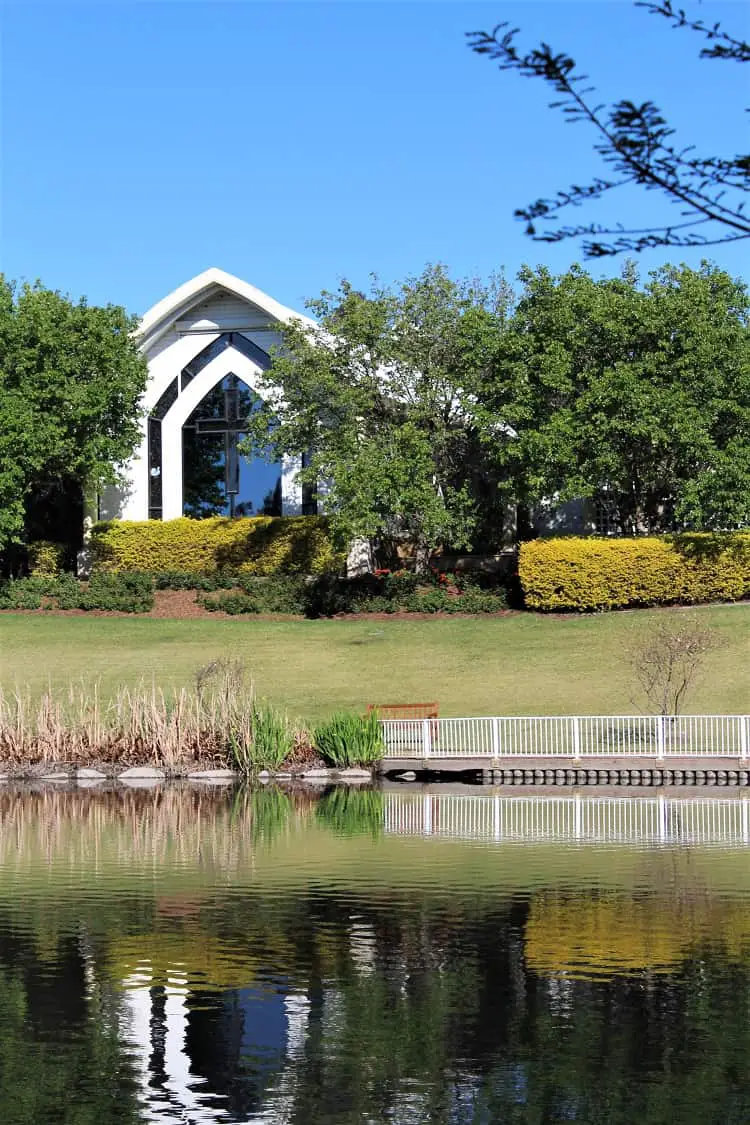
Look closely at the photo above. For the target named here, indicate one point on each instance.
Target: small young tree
(666, 659)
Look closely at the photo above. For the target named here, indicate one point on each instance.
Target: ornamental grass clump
(266, 743)
(348, 739)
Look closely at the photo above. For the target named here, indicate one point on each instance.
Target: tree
(639, 395)
(666, 660)
(637, 144)
(70, 383)
(383, 397)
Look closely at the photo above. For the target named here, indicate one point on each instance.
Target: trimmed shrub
(475, 600)
(20, 593)
(232, 602)
(590, 574)
(190, 580)
(400, 583)
(259, 545)
(45, 558)
(68, 592)
(261, 595)
(431, 601)
(128, 593)
(330, 595)
(348, 739)
(291, 545)
(282, 594)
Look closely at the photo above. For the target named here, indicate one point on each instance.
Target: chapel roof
(162, 316)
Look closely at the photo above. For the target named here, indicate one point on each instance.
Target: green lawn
(523, 664)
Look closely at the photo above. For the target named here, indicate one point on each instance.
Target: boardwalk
(574, 749)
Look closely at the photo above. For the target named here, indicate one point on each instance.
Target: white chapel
(206, 344)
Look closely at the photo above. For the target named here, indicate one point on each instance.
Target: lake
(445, 955)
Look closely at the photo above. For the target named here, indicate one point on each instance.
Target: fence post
(495, 739)
(743, 721)
(576, 732)
(660, 738)
(426, 738)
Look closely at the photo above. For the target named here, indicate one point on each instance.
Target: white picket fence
(591, 820)
(569, 736)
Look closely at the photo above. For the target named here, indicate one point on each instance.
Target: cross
(231, 426)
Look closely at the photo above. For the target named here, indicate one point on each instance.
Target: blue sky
(298, 143)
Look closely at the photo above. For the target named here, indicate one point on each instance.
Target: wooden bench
(409, 740)
(404, 710)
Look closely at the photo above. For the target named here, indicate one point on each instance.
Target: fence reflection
(628, 820)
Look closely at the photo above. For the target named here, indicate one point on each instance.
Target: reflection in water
(261, 956)
(583, 818)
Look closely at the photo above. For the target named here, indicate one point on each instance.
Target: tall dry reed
(146, 723)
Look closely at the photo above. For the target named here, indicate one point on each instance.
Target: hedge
(46, 559)
(329, 595)
(261, 545)
(590, 574)
(127, 593)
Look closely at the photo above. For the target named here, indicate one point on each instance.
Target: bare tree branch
(635, 140)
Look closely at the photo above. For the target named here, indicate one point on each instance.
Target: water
(193, 956)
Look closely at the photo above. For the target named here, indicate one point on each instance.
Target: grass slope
(522, 664)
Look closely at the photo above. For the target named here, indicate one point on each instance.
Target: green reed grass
(266, 744)
(348, 739)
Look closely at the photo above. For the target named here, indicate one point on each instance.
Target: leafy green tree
(637, 393)
(383, 397)
(70, 383)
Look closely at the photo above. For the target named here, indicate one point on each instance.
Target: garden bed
(183, 605)
(181, 595)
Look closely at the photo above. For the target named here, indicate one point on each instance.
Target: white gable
(214, 301)
(192, 339)
(224, 312)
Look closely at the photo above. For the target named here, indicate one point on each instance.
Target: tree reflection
(203, 990)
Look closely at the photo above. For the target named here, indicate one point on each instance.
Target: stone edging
(146, 776)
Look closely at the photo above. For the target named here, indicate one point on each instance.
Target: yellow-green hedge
(587, 574)
(262, 545)
(46, 558)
